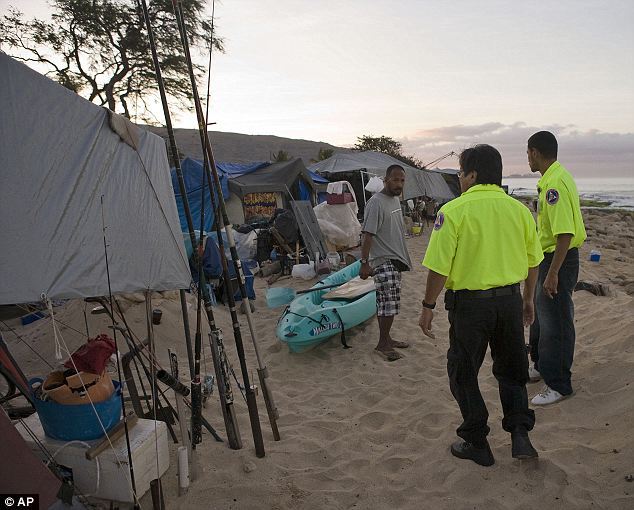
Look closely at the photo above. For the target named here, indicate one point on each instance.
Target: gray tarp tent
(285, 177)
(418, 183)
(58, 158)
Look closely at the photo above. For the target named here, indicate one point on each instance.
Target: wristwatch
(364, 261)
(427, 305)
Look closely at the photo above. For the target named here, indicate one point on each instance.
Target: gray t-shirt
(383, 218)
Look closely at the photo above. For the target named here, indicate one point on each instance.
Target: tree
(386, 145)
(280, 156)
(383, 144)
(323, 154)
(100, 48)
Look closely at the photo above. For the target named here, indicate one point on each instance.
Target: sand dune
(358, 432)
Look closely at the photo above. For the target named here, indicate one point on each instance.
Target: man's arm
(529, 295)
(365, 270)
(435, 284)
(552, 278)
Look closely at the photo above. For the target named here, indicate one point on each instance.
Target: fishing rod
(262, 370)
(249, 390)
(225, 395)
(114, 334)
(271, 409)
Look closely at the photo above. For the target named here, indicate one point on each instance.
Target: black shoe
(521, 447)
(466, 450)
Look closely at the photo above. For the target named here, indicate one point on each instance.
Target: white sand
(358, 432)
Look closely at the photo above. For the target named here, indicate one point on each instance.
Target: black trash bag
(264, 246)
(285, 223)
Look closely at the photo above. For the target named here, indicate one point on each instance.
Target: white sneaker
(547, 396)
(533, 374)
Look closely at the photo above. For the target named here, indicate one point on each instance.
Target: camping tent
(62, 170)
(194, 177)
(418, 183)
(289, 177)
(273, 186)
(243, 186)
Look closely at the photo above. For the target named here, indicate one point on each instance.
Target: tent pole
(363, 188)
(222, 377)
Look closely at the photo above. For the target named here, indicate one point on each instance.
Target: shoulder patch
(552, 196)
(440, 220)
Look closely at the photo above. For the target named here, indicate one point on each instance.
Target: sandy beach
(358, 432)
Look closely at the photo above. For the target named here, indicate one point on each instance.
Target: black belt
(508, 290)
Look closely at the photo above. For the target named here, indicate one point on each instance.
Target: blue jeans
(556, 345)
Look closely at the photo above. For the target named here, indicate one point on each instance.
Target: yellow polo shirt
(558, 209)
(483, 239)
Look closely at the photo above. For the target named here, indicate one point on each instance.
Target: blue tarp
(193, 175)
(212, 266)
(318, 178)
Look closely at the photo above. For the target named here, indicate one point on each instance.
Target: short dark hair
(392, 168)
(485, 160)
(545, 142)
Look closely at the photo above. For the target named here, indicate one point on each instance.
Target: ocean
(618, 191)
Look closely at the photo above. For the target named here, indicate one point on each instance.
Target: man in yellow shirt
(483, 245)
(561, 233)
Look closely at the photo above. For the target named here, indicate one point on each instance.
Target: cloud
(588, 153)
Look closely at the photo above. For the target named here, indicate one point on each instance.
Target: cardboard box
(114, 473)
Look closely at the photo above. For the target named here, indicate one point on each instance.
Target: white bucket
(333, 259)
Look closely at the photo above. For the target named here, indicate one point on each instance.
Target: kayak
(310, 319)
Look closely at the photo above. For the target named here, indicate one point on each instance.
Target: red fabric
(93, 355)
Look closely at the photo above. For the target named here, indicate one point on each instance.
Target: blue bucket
(68, 422)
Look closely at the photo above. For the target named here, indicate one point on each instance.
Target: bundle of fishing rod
(222, 367)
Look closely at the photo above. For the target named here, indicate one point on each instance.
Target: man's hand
(365, 271)
(426, 316)
(528, 312)
(550, 284)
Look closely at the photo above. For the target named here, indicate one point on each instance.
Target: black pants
(476, 323)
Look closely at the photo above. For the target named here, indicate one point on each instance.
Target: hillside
(236, 147)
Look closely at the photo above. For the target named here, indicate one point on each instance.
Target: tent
(60, 173)
(194, 177)
(273, 186)
(320, 184)
(285, 177)
(79, 185)
(364, 164)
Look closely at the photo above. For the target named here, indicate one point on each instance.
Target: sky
(438, 76)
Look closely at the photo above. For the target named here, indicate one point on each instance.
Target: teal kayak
(310, 320)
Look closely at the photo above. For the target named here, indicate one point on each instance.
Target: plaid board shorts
(387, 282)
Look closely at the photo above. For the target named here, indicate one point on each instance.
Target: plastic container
(156, 316)
(303, 271)
(416, 230)
(69, 422)
(595, 256)
(333, 259)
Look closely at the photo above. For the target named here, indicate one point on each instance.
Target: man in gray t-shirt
(384, 255)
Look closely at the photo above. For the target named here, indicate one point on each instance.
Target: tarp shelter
(194, 177)
(364, 164)
(451, 178)
(59, 161)
(320, 183)
(278, 183)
